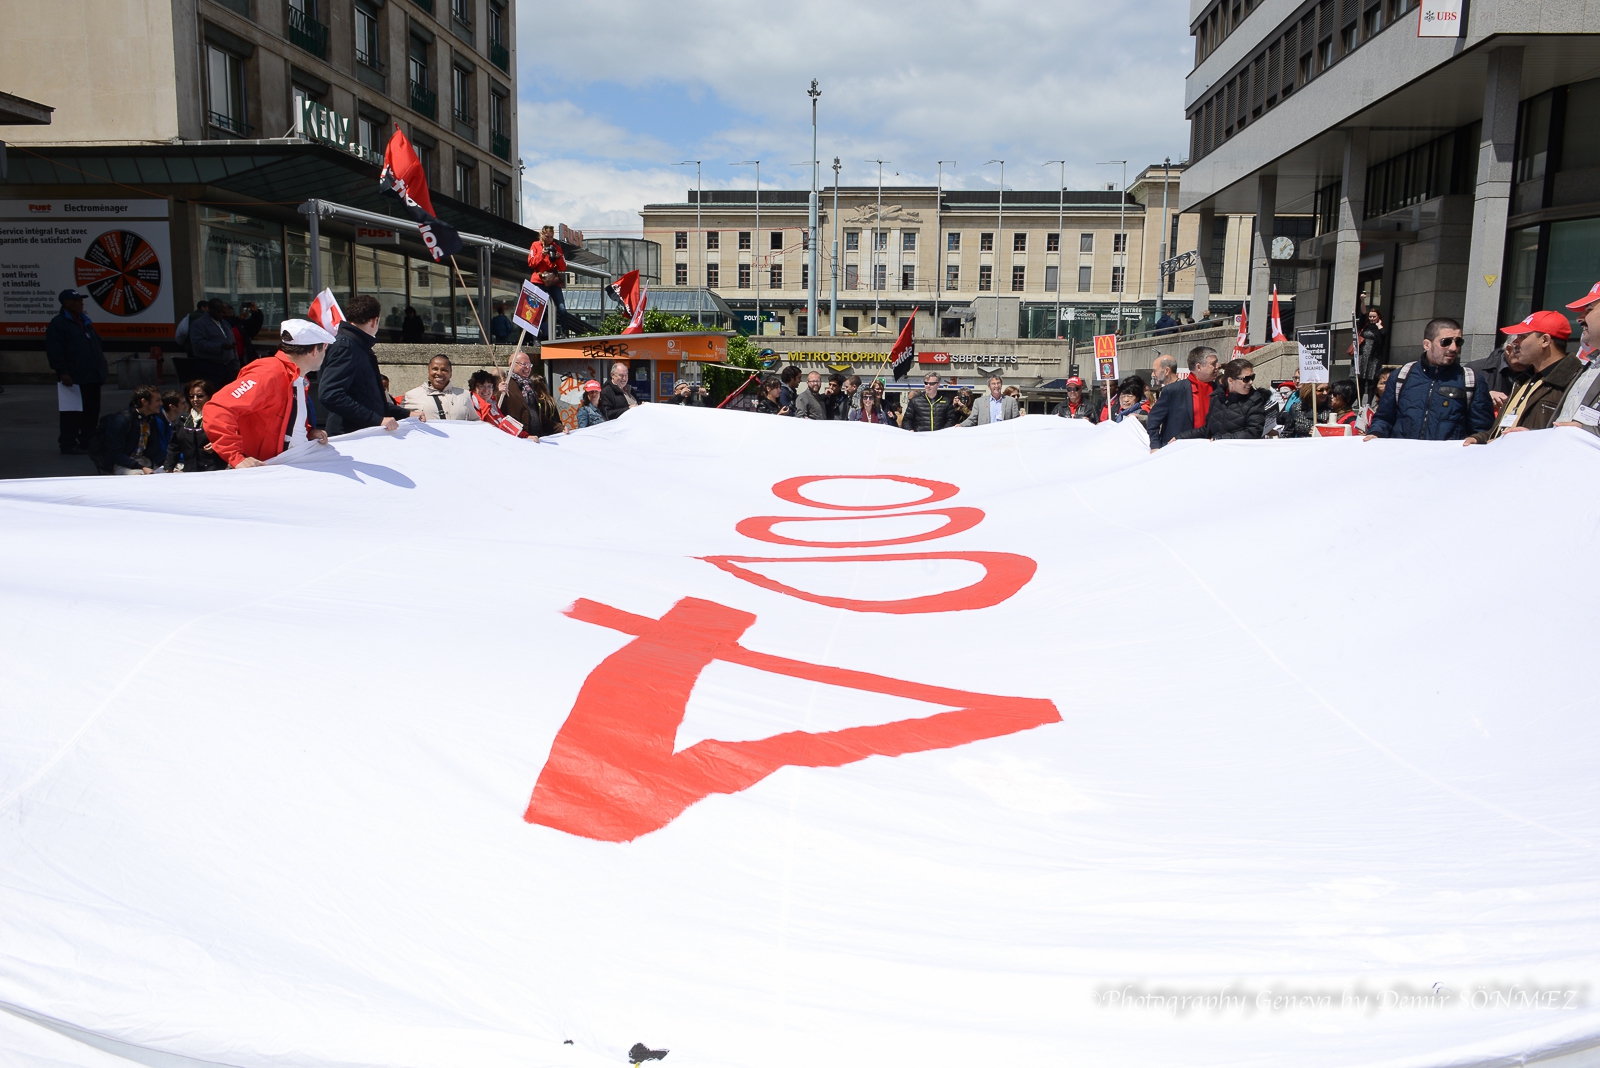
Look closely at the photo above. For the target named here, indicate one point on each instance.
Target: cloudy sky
(612, 95)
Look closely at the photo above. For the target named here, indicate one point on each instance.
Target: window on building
(985, 242)
(852, 276)
(713, 275)
(1052, 278)
(880, 240)
(1052, 242)
(744, 276)
(461, 11)
(852, 323)
(680, 274)
(1085, 242)
(852, 240)
(226, 84)
(1085, 279)
(805, 276)
(985, 278)
(372, 133)
(952, 242)
(680, 239)
(805, 240)
(497, 23)
(952, 277)
(1305, 68)
(744, 240)
(427, 153)
(367, 40)
(775, 276)
(1347, 39)
(908, 277)
(713, 240)
(466, 181)
(1116, 279)
(1119, 242)
(775, 241)
(880, 320)
(1373, 20)
(417, 61)
(1019, 279)
(1019, 242)
(908, 241)
(461, 91)
(500, 119)
(499, 198)
(1325, 54)
(880, 276)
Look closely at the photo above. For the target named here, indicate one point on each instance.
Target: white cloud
(968, 80)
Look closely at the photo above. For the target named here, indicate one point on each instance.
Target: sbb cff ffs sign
(1440, 18)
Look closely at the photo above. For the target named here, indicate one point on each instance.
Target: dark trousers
(553, 314)
(76, 427)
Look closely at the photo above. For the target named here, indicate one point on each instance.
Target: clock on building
(1283, 248)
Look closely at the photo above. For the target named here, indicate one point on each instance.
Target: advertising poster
(1105, 357)
(1315, 359)
(117, 252)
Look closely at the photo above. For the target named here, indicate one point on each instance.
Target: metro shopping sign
(1440, 18)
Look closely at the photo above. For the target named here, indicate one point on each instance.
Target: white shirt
(997, 405)
(452, 402)
(297, 426)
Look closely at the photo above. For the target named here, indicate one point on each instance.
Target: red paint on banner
(789, 490)
(760, 527)
(1003, 575)
(612, 773)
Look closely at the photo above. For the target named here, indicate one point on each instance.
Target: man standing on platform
(266, 410)
(549, 263)
(73, 347)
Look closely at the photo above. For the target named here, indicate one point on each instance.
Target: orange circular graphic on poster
(121, 272)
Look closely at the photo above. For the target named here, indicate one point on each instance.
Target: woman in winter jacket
(1239, 410)
(189, 445)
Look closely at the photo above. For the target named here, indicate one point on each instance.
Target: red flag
(905, 350)
(325, 312)
(1277, 320)
(631, 292)
(404, 178)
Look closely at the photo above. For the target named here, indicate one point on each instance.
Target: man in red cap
(1581, 406)
(265, 410)
(1542, 351)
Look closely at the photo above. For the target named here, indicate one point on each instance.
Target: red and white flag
(324, 311)
(1242, 342)
(631, 292)
(1276, 333)
(404, 179)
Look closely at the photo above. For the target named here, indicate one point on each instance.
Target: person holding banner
(1239, 411)
(268, 411)
(484, 386)
(1186, 403)
(349, 387)
(1434, 398)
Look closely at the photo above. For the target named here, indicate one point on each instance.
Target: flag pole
(493, 359)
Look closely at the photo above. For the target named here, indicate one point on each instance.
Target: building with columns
(1440, 149)
(966, 263)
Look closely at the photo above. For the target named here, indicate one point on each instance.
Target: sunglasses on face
(1247, 378)
(1450, 342)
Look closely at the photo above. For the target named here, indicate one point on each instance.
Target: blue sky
(611, 96)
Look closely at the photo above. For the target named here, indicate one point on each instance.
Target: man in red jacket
(265, 410)
(549, 263)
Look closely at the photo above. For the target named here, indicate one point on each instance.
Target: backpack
(1471, 381)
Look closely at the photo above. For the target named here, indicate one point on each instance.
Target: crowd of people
(1529, 383)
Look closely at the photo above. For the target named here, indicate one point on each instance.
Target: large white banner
(782, 744)
(118, 252)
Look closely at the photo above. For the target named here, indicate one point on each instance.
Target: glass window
(852, 276)
(744, 276)
(1116, 279)
(499, 112)
(1570, 270)
(775, 276)
(880, 240)
(852, 240)
(461, 90)
(243, 262)
(985, 242)
(417, 68)
(1119, 242)
(851, 323)
(805, 276)
(381, 272)
(713, 240)
(1085, 279)
(714, 275)
(775, 241)
(952, 242)
(367, 37)
(1019, 242)
(1521, 257)
(1580, 150)
(985, 278)
(499, 199)
(680, 239)
(1019, 279)
(680, 274)
(1052, 242)
(952, 277)
(805, 240)
(466, 183)
(908, 278)
(430, 295)
(1085, 242)
(1052, 278)
(908, 241)
(226, 82)
(497, 24)
(744, 240)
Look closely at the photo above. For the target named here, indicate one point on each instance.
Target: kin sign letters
(330, 128)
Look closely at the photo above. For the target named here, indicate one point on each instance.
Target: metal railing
(500, 56)
(228, 123)
(306, 32)
(424, 100)
(500, 144)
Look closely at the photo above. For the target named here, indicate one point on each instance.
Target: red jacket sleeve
(221, 424)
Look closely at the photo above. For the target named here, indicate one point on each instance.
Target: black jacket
(1173, 412)
(922, 414)
(188, 447)
(613, 401)
(348, 387)
(73, 348)
(1233, 416)
(121, 431)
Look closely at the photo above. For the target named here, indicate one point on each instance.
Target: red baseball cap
(591, 385)
(1074, 381)
(1542, 322)
(1587, 299)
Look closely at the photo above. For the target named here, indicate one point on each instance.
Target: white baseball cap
(304, 332)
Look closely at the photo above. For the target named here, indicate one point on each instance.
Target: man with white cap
(266, 411)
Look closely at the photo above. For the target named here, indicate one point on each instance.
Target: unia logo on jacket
(244, 387)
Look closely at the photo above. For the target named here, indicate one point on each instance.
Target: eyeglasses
(1450, 342)
(1247, 378)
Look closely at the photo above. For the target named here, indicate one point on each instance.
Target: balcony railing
(424, 100)
(501, 145)
(371, 70)
(228, 123)
(308, 33)
(500, 56)
(459, 12)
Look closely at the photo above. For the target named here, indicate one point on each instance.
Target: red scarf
(1202, 400)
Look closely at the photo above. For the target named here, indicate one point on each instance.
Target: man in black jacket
(1173, 412)
(927, 410)
(349, 386)
(73, 348)
(615, 396)
(131, 437)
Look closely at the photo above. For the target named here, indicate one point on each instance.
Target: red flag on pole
(403, 178)
(325, 312)
(905, 349)
(631, 292)
(1277, 320)
(1242, 342)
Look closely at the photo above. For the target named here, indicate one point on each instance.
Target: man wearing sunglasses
(1434, 398)
(1542, 349)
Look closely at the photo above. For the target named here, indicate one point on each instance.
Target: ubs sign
(328, 127)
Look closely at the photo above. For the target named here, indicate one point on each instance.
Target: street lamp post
(938, 243)
(1061, 237)
(811, 288)
(833, 301)
(756, 244)
(872, 261)
(1161, 263)
(1122, 238)
(699, 234)
(999, 240)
